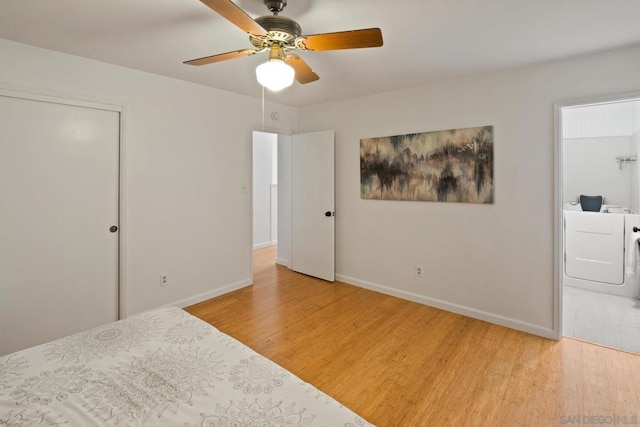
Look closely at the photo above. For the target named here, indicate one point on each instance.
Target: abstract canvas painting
(445, 166)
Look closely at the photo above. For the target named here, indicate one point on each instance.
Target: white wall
(187, 151)
(609, 119)
(494, 262)
(264, 163)
(634, 203)
(187, 159)
(284, 200)
(635, 143)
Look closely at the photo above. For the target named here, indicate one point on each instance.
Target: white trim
(200, 297)
(454, 308)
(263, 245)
(209, 294)
(273, 130)
(274, 242)
(250, 194)
(59, 98)
(122, 220)
(558, 249)
(283, 262)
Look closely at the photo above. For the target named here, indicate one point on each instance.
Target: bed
(166, 368)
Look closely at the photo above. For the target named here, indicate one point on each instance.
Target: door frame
(253, 143)
(249, 185)
(42, 95)
(558, 243)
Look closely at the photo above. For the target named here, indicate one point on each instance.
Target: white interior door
(58, 200)
(313, 205)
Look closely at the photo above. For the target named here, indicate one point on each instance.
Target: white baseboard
(210, 294)
(263, 245)
(454, 308)
(282, 261)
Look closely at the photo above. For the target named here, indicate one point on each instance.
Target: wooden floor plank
(399, 363)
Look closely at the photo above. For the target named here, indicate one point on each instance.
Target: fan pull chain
(262, 108)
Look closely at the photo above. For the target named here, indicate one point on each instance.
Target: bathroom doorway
(265, 189)
(599, 204)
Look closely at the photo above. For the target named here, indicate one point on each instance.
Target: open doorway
(265, 197)
(265, 189)
(599, 190)
(301, 170)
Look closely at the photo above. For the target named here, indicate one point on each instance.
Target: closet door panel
(58, 201)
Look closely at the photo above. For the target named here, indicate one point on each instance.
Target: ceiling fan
(279, 35)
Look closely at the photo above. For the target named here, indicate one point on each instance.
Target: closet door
(58, 206)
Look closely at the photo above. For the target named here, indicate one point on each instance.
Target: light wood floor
(399, 363)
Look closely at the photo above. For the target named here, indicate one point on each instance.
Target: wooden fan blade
(232, 13)
(221, 57)
(369, 37)
(304, 73)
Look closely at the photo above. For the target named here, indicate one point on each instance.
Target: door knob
(329, 213)
(113, 228)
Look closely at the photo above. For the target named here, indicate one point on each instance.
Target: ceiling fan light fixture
(280, 35)
(275, 75)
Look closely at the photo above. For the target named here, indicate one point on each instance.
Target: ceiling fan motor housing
(280, 28)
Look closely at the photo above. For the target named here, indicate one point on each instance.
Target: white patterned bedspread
(164, 368)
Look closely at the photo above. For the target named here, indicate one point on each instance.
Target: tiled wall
(635, 179)
(594, 136)
(590, 168)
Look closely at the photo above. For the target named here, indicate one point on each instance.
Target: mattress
(166, 368)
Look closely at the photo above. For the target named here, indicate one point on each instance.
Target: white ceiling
(424, 40)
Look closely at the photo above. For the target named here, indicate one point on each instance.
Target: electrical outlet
(164, 279)
(419, 271)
